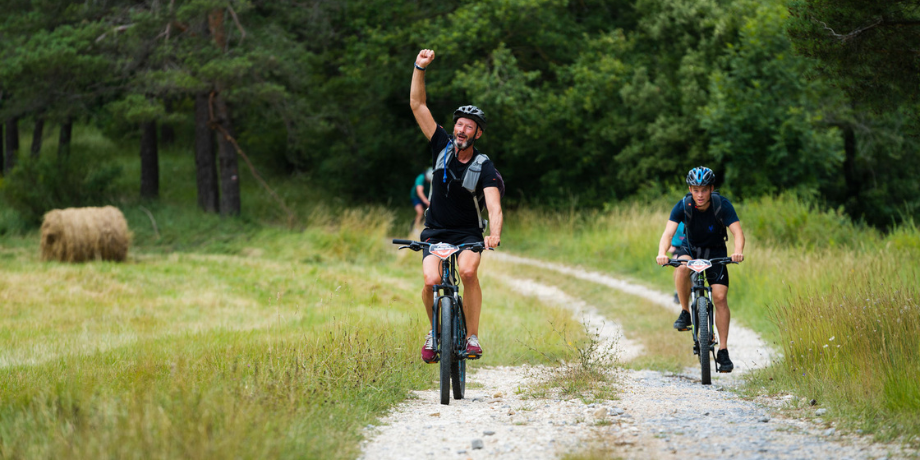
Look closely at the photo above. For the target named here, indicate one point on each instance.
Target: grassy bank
(224, 338)
(809, 275)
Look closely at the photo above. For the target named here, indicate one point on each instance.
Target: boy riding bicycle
(453, 214)
(705, 216)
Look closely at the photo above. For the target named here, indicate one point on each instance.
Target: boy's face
(701, 194)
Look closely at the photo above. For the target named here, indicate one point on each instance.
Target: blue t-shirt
(679, 237)
(704, 230)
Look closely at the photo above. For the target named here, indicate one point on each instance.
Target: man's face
(701, 194)
(466, 131)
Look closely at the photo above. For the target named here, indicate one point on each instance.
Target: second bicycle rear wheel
(458, 367)
(447, 347)
(704, 331)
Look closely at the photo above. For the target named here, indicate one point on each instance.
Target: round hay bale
(82, 234)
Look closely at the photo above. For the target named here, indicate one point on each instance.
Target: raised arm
(417, 94)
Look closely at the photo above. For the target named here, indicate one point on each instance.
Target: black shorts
(455, 237)
(717, 274)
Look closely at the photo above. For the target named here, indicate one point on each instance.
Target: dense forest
(589, 101)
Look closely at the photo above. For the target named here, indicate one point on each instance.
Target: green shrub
(790, 219)
(36, 186)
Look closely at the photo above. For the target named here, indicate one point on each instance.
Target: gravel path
(657, 415)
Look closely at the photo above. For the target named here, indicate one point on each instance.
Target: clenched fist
(424, 58)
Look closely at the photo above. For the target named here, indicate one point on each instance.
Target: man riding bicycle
(704, 226)
(453, 214)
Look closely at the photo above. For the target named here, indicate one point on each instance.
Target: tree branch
(238, 25)
(880, 22)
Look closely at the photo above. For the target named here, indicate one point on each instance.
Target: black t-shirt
(704, 230)
(452, 205)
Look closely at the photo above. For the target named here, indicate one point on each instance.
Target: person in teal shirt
(419, 195)
(676, 242)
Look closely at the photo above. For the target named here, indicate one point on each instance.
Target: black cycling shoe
(683, 322)
(724, 365)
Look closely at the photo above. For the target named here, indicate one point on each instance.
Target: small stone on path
(820, 412)
(477, 444)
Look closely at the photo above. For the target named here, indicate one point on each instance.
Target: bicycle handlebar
(478, 246)
(715, 261)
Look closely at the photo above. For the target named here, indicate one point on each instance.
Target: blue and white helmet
(700, 175)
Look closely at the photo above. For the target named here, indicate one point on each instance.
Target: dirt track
(656, 415)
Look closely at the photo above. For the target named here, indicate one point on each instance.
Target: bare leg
(682, 285)
(468, 265)
(431, 269)
(723, 315)
(419, 212)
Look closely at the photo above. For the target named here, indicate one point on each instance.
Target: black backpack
(716, 208)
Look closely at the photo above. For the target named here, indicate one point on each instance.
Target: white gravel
(656, 415)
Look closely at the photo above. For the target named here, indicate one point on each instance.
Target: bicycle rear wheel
(447, 347)
(704, 331)
(458, 367)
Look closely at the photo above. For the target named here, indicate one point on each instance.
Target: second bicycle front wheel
(447, 347)
(704, 331)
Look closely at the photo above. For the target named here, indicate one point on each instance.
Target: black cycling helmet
(700, 175)
(473, 113)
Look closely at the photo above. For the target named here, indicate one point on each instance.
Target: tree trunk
(204, 156)
(1, 150)
(37, 136)
(12, 144)
(226, 154)
(64, 139)
(167, 133)
(150, 167)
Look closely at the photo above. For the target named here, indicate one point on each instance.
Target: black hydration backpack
(471, 178)
(716, 208)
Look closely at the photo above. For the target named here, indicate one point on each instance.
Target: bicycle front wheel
(447, 347)
(704, 331)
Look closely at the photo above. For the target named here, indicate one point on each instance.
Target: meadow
(223, 338)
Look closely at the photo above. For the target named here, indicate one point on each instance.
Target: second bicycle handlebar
(714, 261)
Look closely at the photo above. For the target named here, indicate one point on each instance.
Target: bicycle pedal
(473, 356)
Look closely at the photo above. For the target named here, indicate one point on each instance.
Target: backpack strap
(471, 180)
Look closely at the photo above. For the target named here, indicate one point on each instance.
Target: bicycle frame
(448, 319)
(698, 291)
(698, 288)
(449, 287)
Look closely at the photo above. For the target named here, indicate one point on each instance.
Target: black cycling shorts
(455, 237)
(717, 274)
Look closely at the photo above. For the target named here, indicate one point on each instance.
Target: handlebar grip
(397, 241)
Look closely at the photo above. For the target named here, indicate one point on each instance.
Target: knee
(719, 299)
(431, 280)
(468, 275)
